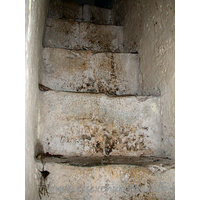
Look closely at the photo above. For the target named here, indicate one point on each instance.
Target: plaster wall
(149, 28)
(35, 15)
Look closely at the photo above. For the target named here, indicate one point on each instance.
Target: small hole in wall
(45, 173)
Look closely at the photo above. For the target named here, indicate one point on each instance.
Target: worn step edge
(92, 51)
(92, 161)
(84, 22)
(140, 98)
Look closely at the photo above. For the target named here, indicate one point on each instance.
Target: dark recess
(100, 3)
(104, 3)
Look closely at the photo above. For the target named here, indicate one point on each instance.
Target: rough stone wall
(35, 14)
(149, 28)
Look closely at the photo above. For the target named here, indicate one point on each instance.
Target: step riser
(108, 182)
(72, 11)
(96, 15)
(85, 71)
(59, 9)
(83, 36)
(85, 124)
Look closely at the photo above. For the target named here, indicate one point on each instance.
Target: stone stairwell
(98, 137)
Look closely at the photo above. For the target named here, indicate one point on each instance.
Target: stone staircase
(98, 138)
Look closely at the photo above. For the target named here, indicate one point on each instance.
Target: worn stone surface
(96, 15)
(62, 33)
(107, 182)
(95, 124)
(101, 37)
(87, 71)
(90, 161)
(73, 35)
(61, 9)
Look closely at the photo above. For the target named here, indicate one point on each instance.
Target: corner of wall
(149, 28)
(35, 14)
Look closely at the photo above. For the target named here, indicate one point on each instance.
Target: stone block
(103, 38)
(73, 35)
(113, 182)
(87, 71)
(62, 34)
(60, 9)
(96, 15)
(75, 124)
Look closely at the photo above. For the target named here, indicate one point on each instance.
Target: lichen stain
(109, 138)
(109, 85)
(98, 147)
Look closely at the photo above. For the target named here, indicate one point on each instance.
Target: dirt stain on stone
(98, 147)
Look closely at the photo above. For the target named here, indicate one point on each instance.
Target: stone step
(82, 124)
(61, 9)
(114, 182)
(97, 15)
(87, 71)
(83, 36)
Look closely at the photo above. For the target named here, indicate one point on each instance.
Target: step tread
(84, 124)
(73, 11)
(106, 182)
(89, 71)
(83, 36)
